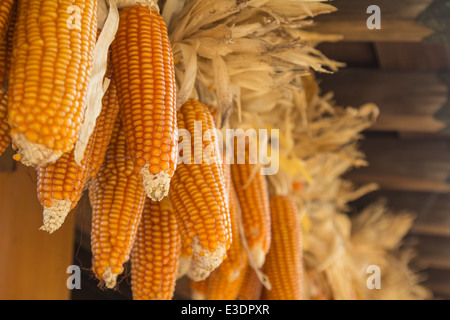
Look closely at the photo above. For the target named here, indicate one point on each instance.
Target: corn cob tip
(110, 278)
(55, 215)
(156, 185)
(196, 272)
(205, 261)
(35, 154)
(183, 266)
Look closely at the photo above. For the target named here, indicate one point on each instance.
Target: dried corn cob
(225, 281)
(198, 289)
(117, 199)
(6, 9)
(198, 194)
(103, 129)
(251, 286)
(50, 70)
(154, 258)
(221, 288)
(284, 265)
(61, 184)
(144, 69)
(6, 44)
(251, 190)
(236, 261)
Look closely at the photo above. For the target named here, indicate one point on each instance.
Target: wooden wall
(405, 69)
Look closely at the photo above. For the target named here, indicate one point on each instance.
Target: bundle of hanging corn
(106, 95)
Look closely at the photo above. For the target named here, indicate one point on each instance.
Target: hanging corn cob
(50, 71)
(251, 287)
(144, 70)
(221, 288)
(251, 190)
(284, 265)
(6, 45)
(225, 281)
(236, 261)
(198, 192)
(154, 258)
(60, 185)
(117, 199)
(6, 11)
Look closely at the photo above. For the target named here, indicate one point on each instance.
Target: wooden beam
(408, 101)
(413, 56)
(33, 263)
(396, 164)
(399, 20)
(353, 54)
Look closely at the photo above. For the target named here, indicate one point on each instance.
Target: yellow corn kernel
(284, 263)
(144, 70)
(117, 199)
(154, 258)
(199, 196)
(50, 71)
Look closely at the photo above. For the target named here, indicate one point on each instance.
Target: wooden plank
(33, 263)
(411, 56)
(438, 281)
(405, 165)
(408, 101)
(398, 21)
(7, 163)
(353, 54)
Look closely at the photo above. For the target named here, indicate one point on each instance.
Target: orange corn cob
(225, 281)
(117, 199)
(284, 261)
(198, 193)
(251, 286)
(144, 69)
(6, 40)
(236, 261)
(221, 288)
(6, 8)
(251, 190)
(103, 130)
(60, 185)
(198, 289)
(154, 258)
(50, 71)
